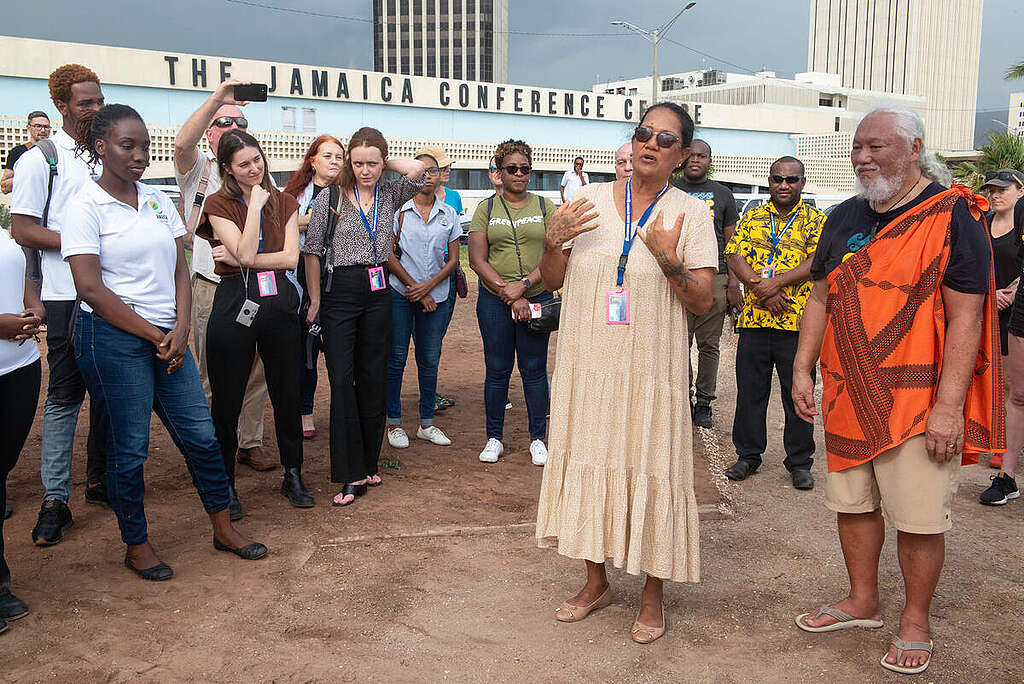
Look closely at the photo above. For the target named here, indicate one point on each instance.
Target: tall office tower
(930, 48)
(464, 39)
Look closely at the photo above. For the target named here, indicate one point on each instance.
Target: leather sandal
(349, 490)
(567, 612)
(158, 573)
(253, 551)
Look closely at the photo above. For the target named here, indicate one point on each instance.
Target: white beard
(882, 189)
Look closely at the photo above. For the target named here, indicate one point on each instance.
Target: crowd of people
(905, 297)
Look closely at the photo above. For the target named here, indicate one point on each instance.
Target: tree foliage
(1002, 150)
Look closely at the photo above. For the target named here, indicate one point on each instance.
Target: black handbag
(550, 312)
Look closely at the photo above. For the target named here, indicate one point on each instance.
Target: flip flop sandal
(902, 646)
(845, 621)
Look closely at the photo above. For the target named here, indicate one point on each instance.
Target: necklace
(900, 200)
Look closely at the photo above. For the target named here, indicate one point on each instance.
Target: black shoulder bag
(551, 310)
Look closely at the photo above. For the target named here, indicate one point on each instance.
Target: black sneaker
(97, 494)
(54, 521)
(702, 414)
(11, 607)
(1002, 489)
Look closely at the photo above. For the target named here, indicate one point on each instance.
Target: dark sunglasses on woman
(664, 140)
(226, 121)
(1009, 176)
(514, 170)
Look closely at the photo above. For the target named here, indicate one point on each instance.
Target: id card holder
(247, 314)
(267, 282)
(617, 307)
(535, 310)
(768, 271)
(377, 281)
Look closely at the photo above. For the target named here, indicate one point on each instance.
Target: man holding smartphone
(196, 172)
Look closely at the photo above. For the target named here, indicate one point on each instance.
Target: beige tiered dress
(618, 483)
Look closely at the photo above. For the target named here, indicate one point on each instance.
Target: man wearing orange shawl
(903, 319)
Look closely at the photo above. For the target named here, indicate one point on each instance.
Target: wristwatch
(527, 283)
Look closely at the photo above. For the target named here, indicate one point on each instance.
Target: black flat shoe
(3, 626)
(802, 479)
(157, 573)
(294, 490)
(234, 505)
(351, 490)
(740, 470)
(11, 607)
(253, 551)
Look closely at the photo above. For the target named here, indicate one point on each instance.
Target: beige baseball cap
(437, 152)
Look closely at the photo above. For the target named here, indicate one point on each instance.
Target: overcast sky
(735, 35)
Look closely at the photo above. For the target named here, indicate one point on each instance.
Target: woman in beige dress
(619, 479)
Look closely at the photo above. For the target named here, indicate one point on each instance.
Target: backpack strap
(543, 207)
(196, 212)
(333, 209)
(49, 151)
(490, 206)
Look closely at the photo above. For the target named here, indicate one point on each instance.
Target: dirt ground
(436, 576)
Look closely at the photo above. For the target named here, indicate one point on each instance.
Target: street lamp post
(654, 35)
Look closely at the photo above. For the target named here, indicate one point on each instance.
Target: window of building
(443, 68)
(287, 118)
(417, 64)
(308, 119)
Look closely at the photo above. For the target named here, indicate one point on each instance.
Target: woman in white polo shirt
(20, 315)
(123, 241)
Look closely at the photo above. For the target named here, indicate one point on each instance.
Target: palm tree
(1002, 150)
(1015, 72)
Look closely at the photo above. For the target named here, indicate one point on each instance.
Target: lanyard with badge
(618, 299)
(266, 282)
(375, 273)
(768, 271)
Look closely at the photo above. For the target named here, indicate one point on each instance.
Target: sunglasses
(1008, 176)
(513, 170)
(664, 140)
(226, 121)
(778, 180)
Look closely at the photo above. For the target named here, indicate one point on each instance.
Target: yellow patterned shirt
(752, 240)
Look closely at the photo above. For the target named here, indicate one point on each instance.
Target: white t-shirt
(32, 174)
(572, 184)
(188, 184)
(135, 246)
(13, 355)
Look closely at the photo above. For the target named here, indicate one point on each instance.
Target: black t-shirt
(849, 227)
(1006, 255)
(13, 155)
(723, 206)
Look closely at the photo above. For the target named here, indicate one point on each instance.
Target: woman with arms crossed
(620, 372)
(354, 301)
(123, 241)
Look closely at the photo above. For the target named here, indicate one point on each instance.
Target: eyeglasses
(226, 121)
(1009, 176)
(513, 170)
(664, 140)
(432, 170)
(778, 180)
(40, 127)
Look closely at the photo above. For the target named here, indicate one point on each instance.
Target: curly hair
(93, 126)
(301, 178)
(509, 147)
(64, 77)
(364, 137)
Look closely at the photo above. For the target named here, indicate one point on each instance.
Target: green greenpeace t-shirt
(531, 225)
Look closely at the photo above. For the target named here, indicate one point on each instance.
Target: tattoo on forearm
(676, 273)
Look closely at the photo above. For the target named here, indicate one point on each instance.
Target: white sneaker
(433, 434)
(508, 406)
(538, 453)
(397, 438)
(492, 451)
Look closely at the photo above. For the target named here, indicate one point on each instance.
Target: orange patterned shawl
(884, 339)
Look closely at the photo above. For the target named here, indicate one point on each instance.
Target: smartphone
(254, 92)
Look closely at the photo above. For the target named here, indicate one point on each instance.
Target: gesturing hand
(658, 238)
(568, 221)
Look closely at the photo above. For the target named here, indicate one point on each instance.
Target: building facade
(460, 39)
(927, 48)
(1015, 115)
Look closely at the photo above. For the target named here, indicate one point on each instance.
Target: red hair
(301, 178)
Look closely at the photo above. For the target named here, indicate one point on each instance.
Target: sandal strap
(836, 613)
(902, 645)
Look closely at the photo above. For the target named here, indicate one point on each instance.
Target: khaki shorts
(914, 492)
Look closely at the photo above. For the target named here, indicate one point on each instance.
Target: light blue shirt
(423, 244)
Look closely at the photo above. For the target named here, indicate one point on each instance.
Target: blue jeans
(124, 375)
(409, 319)
(504, 341)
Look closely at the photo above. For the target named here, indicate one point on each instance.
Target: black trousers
(20, 392)
(230, 351)
(759, 351)
(356, 326)
(66, 385)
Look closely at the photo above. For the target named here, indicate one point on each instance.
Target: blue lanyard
(776, 238)
(629, 233)
(259, 247)
(371, 230)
